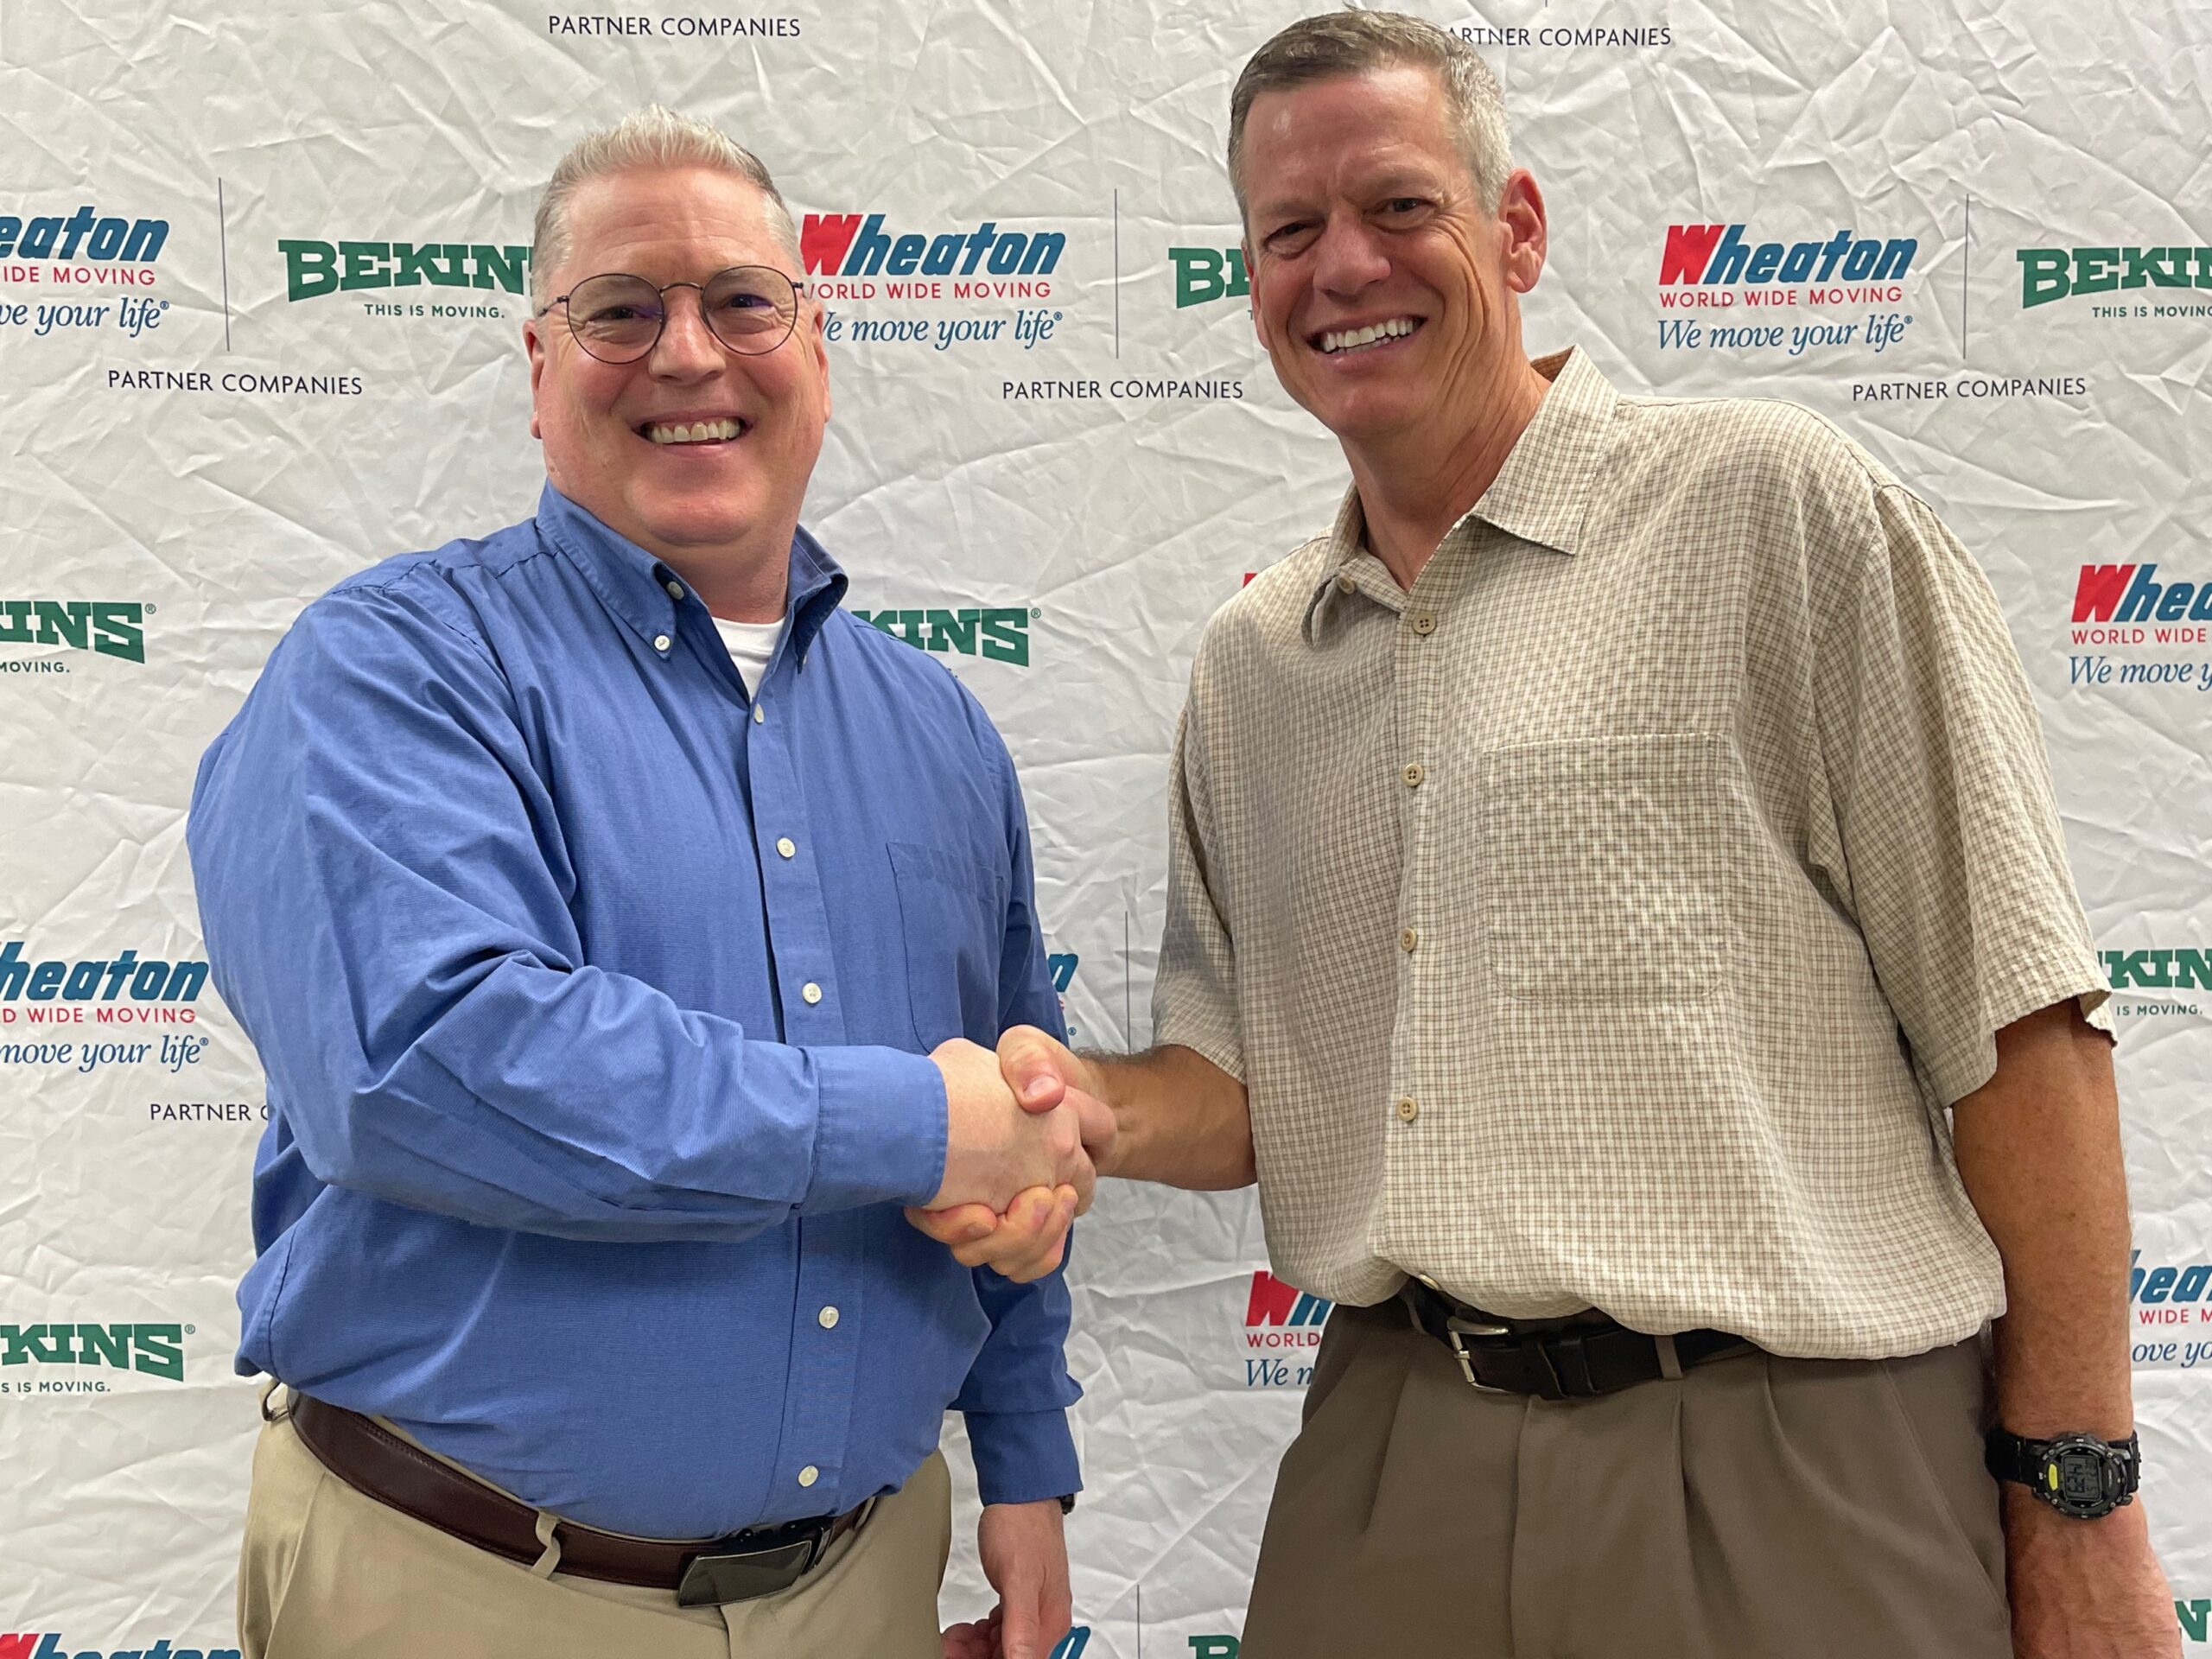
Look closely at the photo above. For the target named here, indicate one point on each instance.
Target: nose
(687, 348)
(1348, 256)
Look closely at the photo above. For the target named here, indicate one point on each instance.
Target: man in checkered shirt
(1618, 909)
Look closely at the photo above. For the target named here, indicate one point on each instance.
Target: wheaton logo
(998, 633)
(2132, 593)
(111, 627)
(1279, 1315)
(82, 235)
(2158, 971)
(2048, 274)
(47, 1645)
(1718, 254)
(313, 269)
(845, 244)
(149, 979)
(1203, 275)
(152, 1350)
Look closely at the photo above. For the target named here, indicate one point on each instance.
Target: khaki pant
(327, 1574)
(1759, 1508)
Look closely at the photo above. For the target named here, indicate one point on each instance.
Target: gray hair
(654, 137)
(1358, 42)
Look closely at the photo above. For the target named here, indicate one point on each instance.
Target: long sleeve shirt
(593, 997)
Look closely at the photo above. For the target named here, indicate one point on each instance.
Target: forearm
(2038, 1148)
(1182, 1120)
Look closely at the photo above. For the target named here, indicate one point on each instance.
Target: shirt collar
(636, 586)
(1541, 494)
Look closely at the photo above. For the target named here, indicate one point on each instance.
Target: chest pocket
(1608, 869)
(952, 923)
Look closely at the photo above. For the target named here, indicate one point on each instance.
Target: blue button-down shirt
(593, 997)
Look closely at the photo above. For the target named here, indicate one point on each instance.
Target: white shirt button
(660, 642)
(758, 714)
(1409, 938)
(1424, 623)
(786, 846)
(809, 1475)
(827, 1318)
(1408, 1109)
(675, 590)
(1414, 773)
(1345, 585)
(810, 991)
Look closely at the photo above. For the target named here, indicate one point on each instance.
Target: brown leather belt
(377, 1463)
(1556, 1359)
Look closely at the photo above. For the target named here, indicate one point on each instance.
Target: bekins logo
(111, 628)
(1203, 275)
(998, 633)
(849, 245)
(2160, 970)
(148, 1350)
(148, 979)
(2049, 274)
(1710, 264)
(47, 1645)
(313, 269)
(2196, 1617)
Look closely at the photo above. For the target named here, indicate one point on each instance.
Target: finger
(1029, 1061)
(1080, 1191)
(1018, 1633)
(957, 1224)
(1099, 1126)
(1025, 1233)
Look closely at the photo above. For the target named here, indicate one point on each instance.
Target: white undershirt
(750, 645)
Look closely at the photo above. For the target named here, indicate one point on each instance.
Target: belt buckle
(713, 1579)
(1456, 1331)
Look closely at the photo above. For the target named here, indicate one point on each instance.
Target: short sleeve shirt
(1608, 920)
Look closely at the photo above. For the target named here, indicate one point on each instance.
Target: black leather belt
(1555, 1360)
(377, 1463)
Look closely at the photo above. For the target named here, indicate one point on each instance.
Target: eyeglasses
(617, 318)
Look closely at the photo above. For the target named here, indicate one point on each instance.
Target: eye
(1289, 239)
(1400, 205)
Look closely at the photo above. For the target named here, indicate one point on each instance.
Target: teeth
(1352, 340)
(698, 432)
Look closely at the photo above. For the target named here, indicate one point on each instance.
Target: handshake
(1026, 1136)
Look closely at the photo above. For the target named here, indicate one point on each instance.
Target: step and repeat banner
(261, 274)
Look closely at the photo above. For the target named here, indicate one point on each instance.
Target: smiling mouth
(1361, 339)
(723, 431)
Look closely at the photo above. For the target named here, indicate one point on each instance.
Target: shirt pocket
(951, 917)
(1605, 869)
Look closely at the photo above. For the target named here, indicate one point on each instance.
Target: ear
(533, 342)
(819, 349)
(1520, 211)
(1251, 288)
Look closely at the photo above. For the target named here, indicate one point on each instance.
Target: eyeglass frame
(661, 293)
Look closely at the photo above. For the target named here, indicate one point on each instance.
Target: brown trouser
(327, 1574)
(1759, 1508)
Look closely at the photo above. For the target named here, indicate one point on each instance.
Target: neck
(1415, 485)
(739, 585)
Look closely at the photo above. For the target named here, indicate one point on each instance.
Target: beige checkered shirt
(1607, 921)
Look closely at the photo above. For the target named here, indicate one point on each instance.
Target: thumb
(1029, 1062)
(1020, 1635)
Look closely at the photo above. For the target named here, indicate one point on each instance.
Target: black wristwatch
(1067, 1502)
(2078, 1475)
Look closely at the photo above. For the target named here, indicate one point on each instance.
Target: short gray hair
(1358, 42)
(654, 137)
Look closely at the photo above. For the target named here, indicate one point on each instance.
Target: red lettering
(1272, 1299)
(824, 239)
(2097, 594)
(1689, 250)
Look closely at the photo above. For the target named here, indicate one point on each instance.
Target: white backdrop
(1092, 453)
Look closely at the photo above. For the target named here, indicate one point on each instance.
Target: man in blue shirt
(624, 929)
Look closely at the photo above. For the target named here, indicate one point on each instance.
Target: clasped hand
(1024, 1135)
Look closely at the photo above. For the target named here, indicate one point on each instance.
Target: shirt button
(786, 846)
(809, 1475)
(1413, 775)
(660, 642)
(758, 714)
(827, 1318)
(1345, 585)
(1409, 938)
(1408, 1109)
(1424, 622)
(675, 590)
(810, 991)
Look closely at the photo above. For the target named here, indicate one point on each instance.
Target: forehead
(669, 224)
(1334, 132)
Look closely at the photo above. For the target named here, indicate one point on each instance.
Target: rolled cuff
(1023, 1456)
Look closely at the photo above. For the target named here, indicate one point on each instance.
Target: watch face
(2080, 1477)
